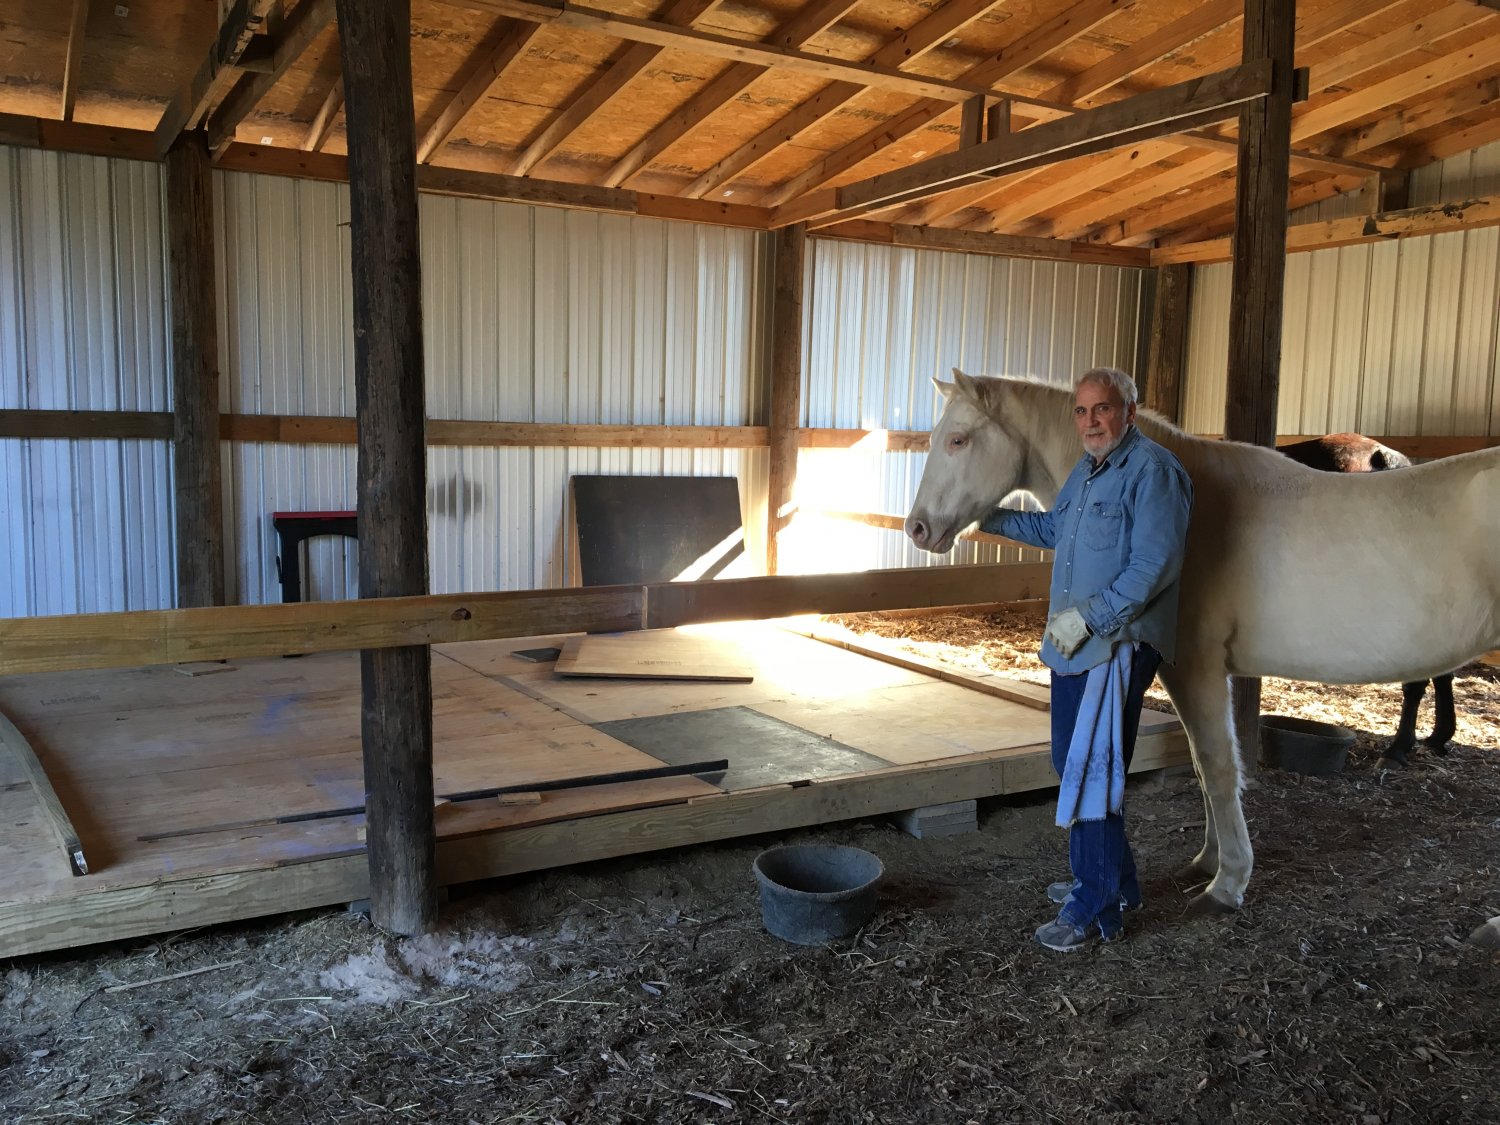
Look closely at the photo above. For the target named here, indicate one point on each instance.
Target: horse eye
(957, 441)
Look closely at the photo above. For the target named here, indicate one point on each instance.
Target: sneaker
(1061, 892)
(1064, 937)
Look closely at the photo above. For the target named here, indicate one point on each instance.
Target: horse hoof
(1205, 905)
(1190, 872)
(1387, 762)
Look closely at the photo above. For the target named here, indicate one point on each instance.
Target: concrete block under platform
(932, 821)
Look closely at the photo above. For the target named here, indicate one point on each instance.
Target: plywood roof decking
(143, 751)
(1395, 84)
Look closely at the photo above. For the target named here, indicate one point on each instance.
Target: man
(1118, 529)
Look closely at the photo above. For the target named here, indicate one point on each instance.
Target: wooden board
(654, 654)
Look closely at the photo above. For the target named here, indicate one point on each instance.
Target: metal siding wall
(1393, 338)
(87, 524)
(882, 322)
(530, 314)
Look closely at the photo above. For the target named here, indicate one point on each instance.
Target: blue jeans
(1103, 868)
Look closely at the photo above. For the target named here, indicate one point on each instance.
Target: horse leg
(1444, 722)
(1202, 700)
(1406, 732)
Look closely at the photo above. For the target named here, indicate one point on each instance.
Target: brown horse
(1355, 453)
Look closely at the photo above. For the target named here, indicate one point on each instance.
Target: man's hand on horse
(1068, 631)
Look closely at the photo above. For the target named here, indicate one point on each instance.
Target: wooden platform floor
(149, 750)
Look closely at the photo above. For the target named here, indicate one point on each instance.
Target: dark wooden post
(1169, 336)
(1259, 270)
(786, 381)
(375, 48)
(198, 478)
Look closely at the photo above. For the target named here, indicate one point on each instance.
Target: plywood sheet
(654, 654)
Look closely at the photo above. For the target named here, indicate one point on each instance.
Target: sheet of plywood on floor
(919, 722)
(785, 666)
(654, 654)
(153, 769)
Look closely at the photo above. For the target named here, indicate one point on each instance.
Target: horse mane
(1199, 455)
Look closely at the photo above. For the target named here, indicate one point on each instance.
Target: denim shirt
(1118, 530)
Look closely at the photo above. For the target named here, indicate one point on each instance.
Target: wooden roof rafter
(77, 29)
(1062, 29)
(1200, 183)
(713, 45)
(328, 111)
(588, 100)
(1167, 110)
(798, 31)
(1172, 37)
(946, 21)
(1096, 80)
(504, 45)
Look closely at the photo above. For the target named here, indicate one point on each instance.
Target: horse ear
(944, 389)
(967, 385)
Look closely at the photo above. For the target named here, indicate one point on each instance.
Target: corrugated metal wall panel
(530, 314)
(87, 525)
(1394, 338)
(884, 321)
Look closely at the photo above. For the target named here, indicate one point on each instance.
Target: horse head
(973, 462)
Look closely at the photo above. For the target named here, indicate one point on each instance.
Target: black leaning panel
(650, 529)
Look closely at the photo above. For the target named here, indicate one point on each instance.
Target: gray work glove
(1068, 631)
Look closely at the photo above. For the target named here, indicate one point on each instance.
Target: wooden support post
(396, 716)
(971, 122)
(1259, 270)
(786, 382)
(195, 374)
(1167, 359)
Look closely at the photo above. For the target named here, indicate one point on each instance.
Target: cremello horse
(1334, 578)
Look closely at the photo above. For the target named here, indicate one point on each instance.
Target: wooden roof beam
(1086, 84)
(1410, 222)
(217, 74)
(436, 179)
(76, 31)
(489, 64)
(589, 100)
(796, 32)
(563, 13)
(1056, 33)
(1214, 97)
(1191, 175)
(307, 21)
(1313, 30)
(937, 28)
(975, 242)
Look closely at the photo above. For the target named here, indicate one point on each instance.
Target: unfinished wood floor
(151, 750)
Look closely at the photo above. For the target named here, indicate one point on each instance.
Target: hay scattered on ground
(646, 990)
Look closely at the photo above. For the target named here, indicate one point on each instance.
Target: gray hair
(1113, 378)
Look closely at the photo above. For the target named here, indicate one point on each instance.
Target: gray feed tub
(810, 893)
(1303, 745)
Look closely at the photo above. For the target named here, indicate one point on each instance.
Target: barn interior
(259, 264)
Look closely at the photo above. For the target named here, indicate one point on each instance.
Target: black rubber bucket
(1303, 745)
(810, 894)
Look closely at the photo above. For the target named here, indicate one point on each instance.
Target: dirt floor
(647, 990)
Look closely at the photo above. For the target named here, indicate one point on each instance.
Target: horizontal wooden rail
(117, 640)
(898, 523)
(315, 429)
